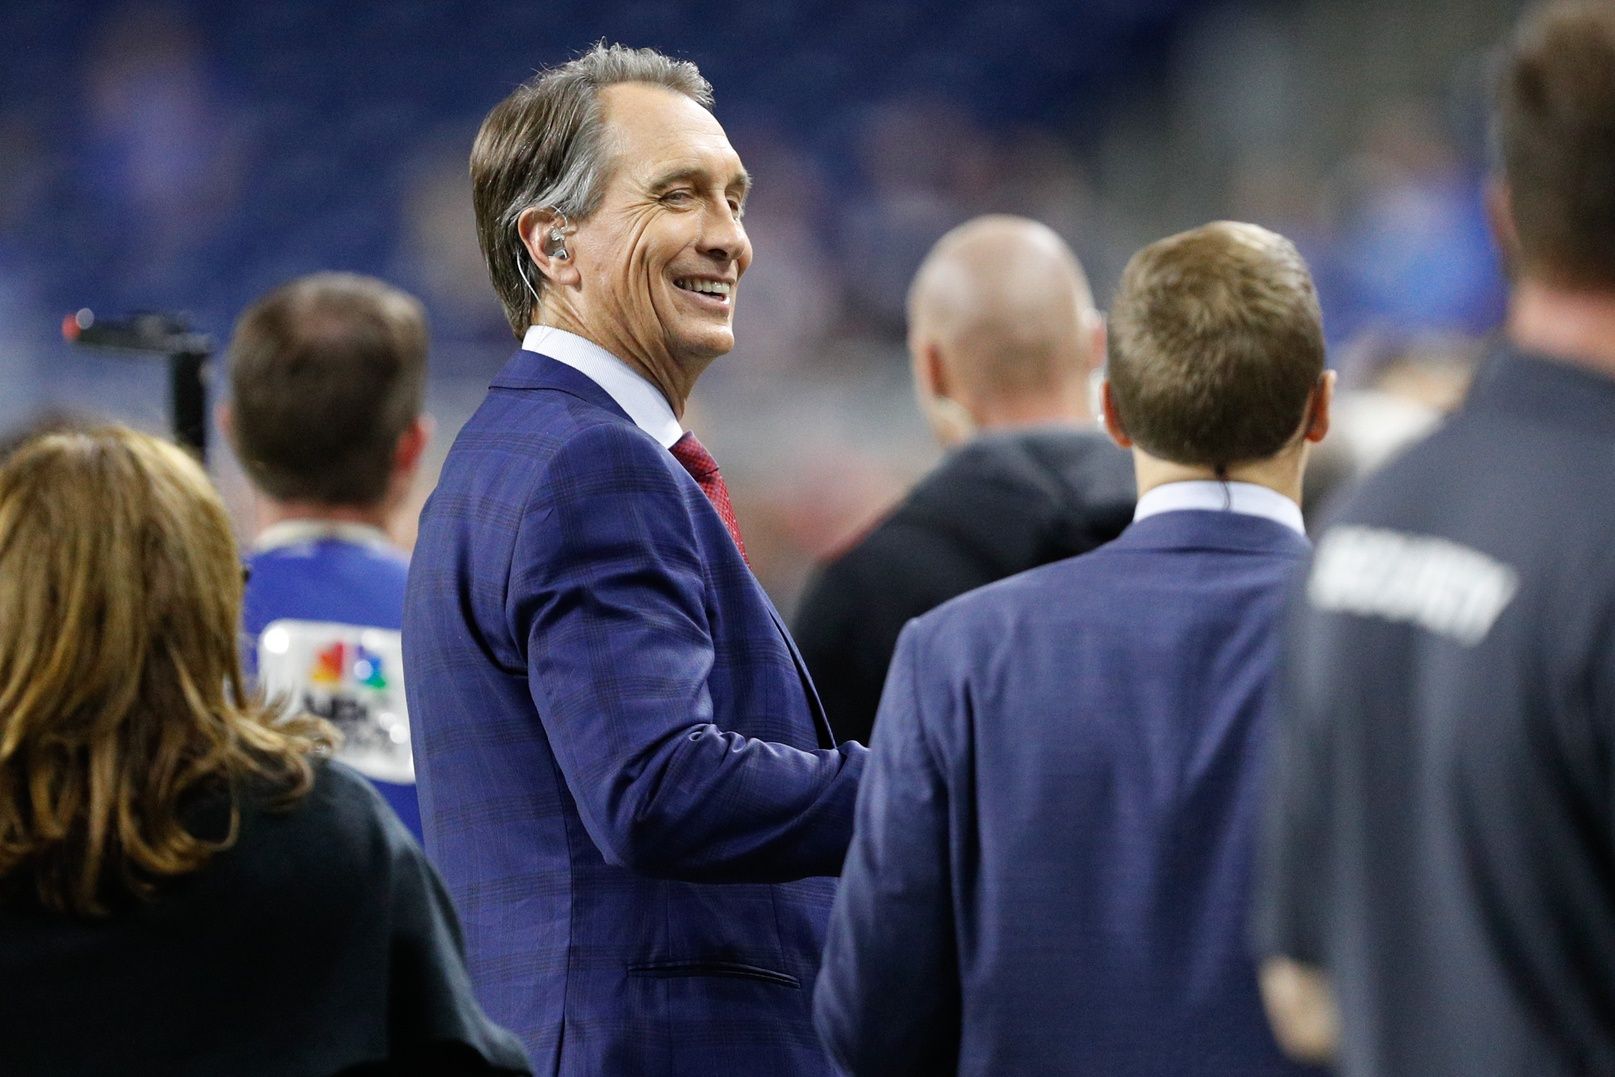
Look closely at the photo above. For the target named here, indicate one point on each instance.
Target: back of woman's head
(121, 694)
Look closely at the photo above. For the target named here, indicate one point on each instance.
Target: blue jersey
(325, 572)
(319, 571)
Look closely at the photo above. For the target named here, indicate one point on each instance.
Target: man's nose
(724, 237)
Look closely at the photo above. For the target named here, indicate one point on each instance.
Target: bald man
(1004, 340)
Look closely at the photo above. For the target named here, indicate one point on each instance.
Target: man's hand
(1301, 1008)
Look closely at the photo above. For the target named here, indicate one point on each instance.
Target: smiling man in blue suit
(625, 774)
(1054, 841)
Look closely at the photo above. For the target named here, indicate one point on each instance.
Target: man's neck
(1577, 326)
(1281, 473)
(1067, 408)
(271, 512)
(670, 379)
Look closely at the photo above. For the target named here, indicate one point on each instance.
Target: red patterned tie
(704, 470)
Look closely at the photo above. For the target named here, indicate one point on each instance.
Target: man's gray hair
(545, 146)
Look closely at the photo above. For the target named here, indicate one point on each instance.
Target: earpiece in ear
(558, 249)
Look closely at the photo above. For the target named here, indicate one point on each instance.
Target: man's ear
(1112, 417)
(533, 226)
(412, 444)
(1322, 402)
(951, 421)
(1500, 215)
(1098, 341)
(225, 420)
(930, 375)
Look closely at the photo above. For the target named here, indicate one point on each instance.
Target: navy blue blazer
(1054, 840)
(625, 775)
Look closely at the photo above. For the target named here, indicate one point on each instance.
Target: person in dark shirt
(188, 886)
(1004, 340)
(1437, 893)
(327, 380)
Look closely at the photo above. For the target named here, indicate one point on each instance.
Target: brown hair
(326, 373)
(1216, 344)
(121, 693)
(1555, 127)
(545, 146)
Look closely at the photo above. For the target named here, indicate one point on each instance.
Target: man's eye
(737, 207)
(678, 197)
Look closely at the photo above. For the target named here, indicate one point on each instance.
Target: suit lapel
(531, 370)
(821, 721)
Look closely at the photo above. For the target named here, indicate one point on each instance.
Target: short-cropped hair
(1216, 345)
(1555, 131)
(326, 373)
(545, 146)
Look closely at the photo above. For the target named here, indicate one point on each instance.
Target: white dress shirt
(643, 402)
(1211, 496)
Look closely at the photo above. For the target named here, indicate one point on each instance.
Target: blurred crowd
(187, 156)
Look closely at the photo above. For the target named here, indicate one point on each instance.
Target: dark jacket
(1001, 504)
(1440, 837)
(321, 942)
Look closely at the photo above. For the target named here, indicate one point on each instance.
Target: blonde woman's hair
(122, 701)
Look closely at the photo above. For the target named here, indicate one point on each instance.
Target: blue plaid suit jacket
(625, 775)
(1052, 865)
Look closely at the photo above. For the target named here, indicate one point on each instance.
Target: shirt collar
(301, 532)
(1210, 496)
(642, 401)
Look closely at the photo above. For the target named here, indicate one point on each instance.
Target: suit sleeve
(607, 589)
(887, 1000)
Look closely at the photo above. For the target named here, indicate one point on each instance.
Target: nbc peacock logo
(335, 664)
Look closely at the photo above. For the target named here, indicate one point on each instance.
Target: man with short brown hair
(1053, 843)
(627, 778)
(1220, 398)
(327, 380)
(1438, 887)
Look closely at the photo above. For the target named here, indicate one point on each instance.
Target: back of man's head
(1556, 143)
(1005, 309)
(1216, 346)
(327, 373)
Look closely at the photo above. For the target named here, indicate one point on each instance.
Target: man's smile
(707, 292)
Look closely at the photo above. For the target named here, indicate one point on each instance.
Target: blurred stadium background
(189, 155)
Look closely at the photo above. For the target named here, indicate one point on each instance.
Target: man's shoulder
(1018, 498)
(319, 556)
(1055, 464)
(987, 614)
(1431, 463)
(515, 437)
(533, 420)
